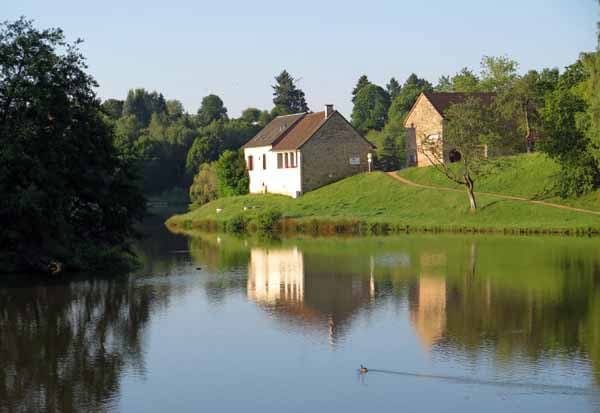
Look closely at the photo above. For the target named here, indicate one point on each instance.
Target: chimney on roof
(328, 110)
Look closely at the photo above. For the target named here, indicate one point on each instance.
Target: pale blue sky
(187, 49)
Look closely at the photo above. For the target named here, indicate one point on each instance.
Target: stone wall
(326, 156)
(423, 121)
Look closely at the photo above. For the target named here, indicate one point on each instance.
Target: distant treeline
(549, 110)
(171, 144)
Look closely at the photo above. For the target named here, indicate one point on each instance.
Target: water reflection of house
(428, 300)
(307, 290)
(276, 275)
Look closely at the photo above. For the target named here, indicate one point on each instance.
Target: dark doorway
(454, 156)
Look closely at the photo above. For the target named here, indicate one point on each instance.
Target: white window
(433, 138)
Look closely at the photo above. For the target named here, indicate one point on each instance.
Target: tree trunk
(470, 192)
(528, 138)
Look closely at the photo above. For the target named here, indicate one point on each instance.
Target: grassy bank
(529, 176)
(375, 203)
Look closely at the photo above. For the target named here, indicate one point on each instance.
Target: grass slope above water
(529, 176)
(377, 198)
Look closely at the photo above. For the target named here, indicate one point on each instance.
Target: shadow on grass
(486, 206)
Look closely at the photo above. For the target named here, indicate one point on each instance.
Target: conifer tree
(287, 97)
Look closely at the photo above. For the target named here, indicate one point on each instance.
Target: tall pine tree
(393, 88)
(362, 82)
(287, 97)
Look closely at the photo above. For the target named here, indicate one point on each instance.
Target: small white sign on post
(355, 160)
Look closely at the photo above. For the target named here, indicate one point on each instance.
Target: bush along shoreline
(273, 224)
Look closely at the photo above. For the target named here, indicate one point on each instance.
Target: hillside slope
(530, 176)
(377, 198)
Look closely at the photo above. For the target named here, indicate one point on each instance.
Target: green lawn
(530, 176)
(378, 198)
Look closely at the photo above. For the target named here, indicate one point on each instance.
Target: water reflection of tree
(219, 255)
(514, 296)
(158, 250)
(481, 311)
(64, 347)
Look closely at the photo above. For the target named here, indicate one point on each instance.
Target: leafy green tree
(498, 73)
(470, 128)
(395, 130)
(251, 115)
(370, 108)
(565, 137)
(204, 149)
(393, 88)
(264, 118)
(388, 157)
(232, 174)
(113, 108)
(590, 92)
(142, 104)
(211, 109)
(175, 109)
(362, 82)
(521, 104)
(205, 187)
(390, 143)
(287, 97)
(547, 81)
(411, 89)
(162, 148)
(67, 194)
(465, 81)
(216, 138)
(161, 145)
(444, 84)
(127, 132)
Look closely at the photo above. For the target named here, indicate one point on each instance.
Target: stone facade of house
(423, 122)
(425, 127)
(298, 153)
(336, 151)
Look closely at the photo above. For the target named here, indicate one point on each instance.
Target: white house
(296, 153)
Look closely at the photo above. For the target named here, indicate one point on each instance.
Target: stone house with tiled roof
(425, 121)
(297, 153)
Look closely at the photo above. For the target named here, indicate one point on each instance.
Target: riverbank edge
(354, 227)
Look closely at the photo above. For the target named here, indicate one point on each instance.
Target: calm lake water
(216, 323)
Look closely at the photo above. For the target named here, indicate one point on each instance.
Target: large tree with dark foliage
(142, 104)
(370, 108)
(113, 108)
(362, 81)
(67, 196)
(287, 97)
(211, 109)
(407, 96)
(393, 88)
(216, 138)
(566, 135)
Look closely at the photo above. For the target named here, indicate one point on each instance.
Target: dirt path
(405, 181)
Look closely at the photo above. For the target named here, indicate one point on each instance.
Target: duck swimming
(363, 369)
